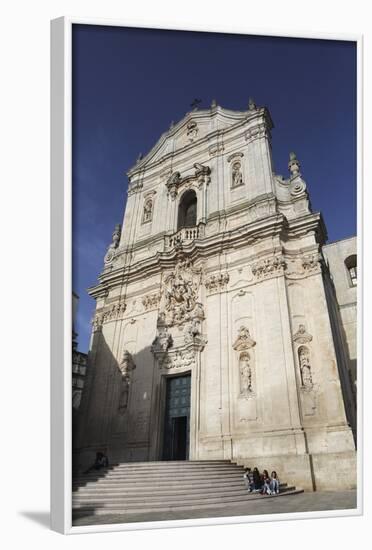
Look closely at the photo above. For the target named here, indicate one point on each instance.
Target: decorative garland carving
(217, 283)
(268, 267)
(151, 301)
(178, 359)
(311, 262)
(114, 312)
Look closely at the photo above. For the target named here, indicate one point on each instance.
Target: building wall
(346, 296)
(241, 304)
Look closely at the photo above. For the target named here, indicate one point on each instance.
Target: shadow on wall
(346, 365)
(105, 422)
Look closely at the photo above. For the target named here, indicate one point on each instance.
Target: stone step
(221, 502)
(169, 498)
(164, 490)
(162, 469)
(143, 481)
(168, 463)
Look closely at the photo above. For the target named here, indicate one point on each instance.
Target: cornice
(197, 250)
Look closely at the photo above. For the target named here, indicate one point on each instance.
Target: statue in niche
(245, 374)
(237, 177)
(126, 366)
(305, 367)
(147, 211)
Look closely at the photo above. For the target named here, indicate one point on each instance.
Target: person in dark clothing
(257, 481)
(265, 488)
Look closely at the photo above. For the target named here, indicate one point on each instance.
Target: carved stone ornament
(180, 291)
(216, 149)
(257, 132)
(134, 187)
(163, 340)
(301, 336)
(311, 262)
(112, 313)
(151, 301)
(244, 340)
(201, 177)
(173, 183)
(217, 283)
(202, 174)
(192, 130)
(126, 366)
(178, 359)
(111, 251)
(193, 333)
(268, 267)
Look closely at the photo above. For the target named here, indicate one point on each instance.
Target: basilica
(225, 326)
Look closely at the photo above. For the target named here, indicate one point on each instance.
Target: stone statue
(305, 368)
(147, 210)
(237, 177)
(245, 374)
(126, 367)
(110, 254)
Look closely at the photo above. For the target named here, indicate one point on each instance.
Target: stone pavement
(303, 502)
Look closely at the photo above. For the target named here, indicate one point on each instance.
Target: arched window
(187, 210)
(351, 266)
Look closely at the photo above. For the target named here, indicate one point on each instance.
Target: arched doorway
(187, 210)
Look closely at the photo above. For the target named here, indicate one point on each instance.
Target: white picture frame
(61, 292)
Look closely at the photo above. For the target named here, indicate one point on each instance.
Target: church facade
(217, 331)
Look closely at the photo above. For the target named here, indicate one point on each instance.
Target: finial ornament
(139, 158)
(251, 104)
(293, 165)
(213, 104)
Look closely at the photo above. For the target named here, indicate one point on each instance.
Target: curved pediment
(195, 126)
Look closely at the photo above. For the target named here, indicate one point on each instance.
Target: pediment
(195, 126)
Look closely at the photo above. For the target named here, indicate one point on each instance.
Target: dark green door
(177, 418)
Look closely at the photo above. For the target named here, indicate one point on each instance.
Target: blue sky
(129, 84)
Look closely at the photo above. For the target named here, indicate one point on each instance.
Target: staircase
(137, 487)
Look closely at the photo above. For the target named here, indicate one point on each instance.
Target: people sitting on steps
(261, 483)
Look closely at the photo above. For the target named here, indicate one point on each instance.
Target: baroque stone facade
(217, 277)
